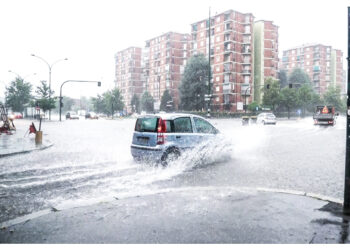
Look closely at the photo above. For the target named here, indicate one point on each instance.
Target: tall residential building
(128, 74)
(337, 70)
(322, 64)
(231, 56)
(265, 55)
(165, 58)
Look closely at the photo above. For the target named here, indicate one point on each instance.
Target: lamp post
(245, 99)
(19, 76)
(50, 69)
(98, 84)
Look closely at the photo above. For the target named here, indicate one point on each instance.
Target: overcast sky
(90, 32)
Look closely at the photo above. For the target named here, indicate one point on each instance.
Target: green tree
(271, 93)
(283, 78)
(135, 104)
(113, 101)
(194, 83)
(18, 95)
(298, 76)
(166, 99)
(45, 99)
(333, 97)
(304, 96)
(98, 104)
(147, 102)
(252, 106)
(288, 99)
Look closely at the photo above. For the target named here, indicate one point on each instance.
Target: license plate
(143, 140)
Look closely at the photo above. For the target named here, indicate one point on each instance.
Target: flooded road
(90, 162)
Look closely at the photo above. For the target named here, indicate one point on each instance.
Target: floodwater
(90, 162)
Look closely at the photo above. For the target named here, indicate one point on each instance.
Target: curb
(26, 151)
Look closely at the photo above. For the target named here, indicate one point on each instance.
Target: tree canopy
(135, 103)
(166, 100)
(44, 98)
(147, 102)
(298, 76)
(18, 94)
(271, 93)
(113, 101)
(194, 84)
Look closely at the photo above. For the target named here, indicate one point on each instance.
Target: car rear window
(149, 124)
(146, 124)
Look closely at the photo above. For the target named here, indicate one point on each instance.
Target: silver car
(266, 118)
(163, 137)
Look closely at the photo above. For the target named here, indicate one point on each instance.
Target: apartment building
(337, 70)
(164, 60)
(323, 64)
(231, 56)
(266, 62)
(128, 74)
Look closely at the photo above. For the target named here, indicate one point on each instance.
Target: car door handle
(178, 137)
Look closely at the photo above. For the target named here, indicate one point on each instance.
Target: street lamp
(19, 76)
(98, 84)
(50, 68)
(245, 99)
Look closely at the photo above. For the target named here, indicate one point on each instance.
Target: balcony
(316, 69)
(246, 41)
(246, 72)
(226, 88)
(246, 51)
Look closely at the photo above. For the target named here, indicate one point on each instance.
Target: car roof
(169, 116)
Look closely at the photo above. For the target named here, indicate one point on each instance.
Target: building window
(218, 29)
(217, 88)
(202, 34)
(218, 39)
(217, 79)
(218, 19)
(202, 43)
(218, 59)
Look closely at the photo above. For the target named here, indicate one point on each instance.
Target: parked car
(15, 115)
(163, 137)
(91, 115)
(266, 118)
(72, 115)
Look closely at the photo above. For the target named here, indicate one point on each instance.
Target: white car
(266, 118)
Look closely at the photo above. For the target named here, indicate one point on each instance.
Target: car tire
(170, 155)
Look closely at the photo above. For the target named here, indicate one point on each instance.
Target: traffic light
(268, 86)
(290, 85)
(98, 84)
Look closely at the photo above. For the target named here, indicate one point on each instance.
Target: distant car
(72, 115)
(18, 115)
(266, 118)
(91, 115)
(163, 137)
(15, 115)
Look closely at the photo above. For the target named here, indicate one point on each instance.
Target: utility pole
(346, 207)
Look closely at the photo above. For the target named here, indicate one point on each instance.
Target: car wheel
(169, 156)
(263, 122)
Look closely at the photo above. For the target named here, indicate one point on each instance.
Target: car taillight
(161, 129)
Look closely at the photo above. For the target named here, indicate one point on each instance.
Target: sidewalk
(191, 215)
(20, 142)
